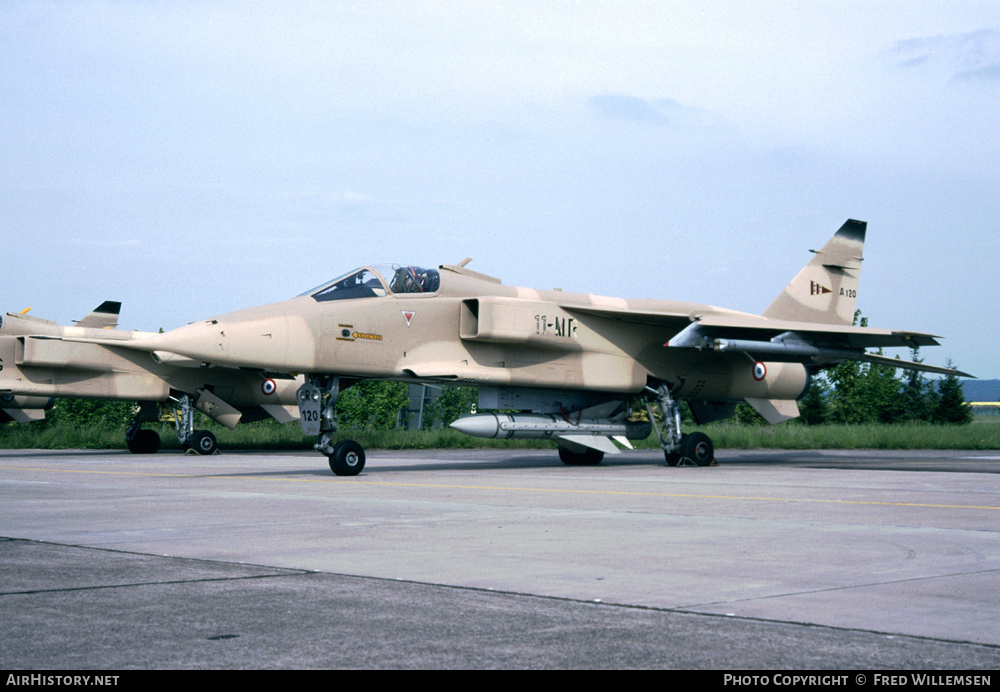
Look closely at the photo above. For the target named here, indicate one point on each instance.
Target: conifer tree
(813, 407)
(951, 406)
(848, 404)
(915, 395)
(882, 388)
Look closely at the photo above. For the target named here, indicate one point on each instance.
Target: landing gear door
(310, 401)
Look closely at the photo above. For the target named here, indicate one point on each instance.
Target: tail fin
(104, 316)
(826, 290)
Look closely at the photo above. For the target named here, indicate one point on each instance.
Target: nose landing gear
(317, 400)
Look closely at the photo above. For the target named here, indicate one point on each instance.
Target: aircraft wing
(668, 320)
(774, 340)
(763, 329)
(802, 342)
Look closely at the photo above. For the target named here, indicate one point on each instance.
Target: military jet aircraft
(40, 360)
(567, 364)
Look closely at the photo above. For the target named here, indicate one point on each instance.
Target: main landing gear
(199, 441)
(695, 449)
(317, 400)
(142, 441)
(588, 457)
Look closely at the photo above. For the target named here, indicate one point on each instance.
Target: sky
(193, 158)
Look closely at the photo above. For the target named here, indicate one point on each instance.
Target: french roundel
(268, 386)
(759, 371)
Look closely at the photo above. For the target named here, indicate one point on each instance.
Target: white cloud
(969, 55)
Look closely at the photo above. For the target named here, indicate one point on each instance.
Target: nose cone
(205, 341)
(267, 337)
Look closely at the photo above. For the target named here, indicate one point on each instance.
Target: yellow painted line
(684, 495)
(493, 488)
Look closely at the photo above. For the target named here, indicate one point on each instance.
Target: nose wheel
(317, 400)
(348, 458)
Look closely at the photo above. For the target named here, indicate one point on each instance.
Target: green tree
(864, 392)
(814, 408)
(848, 401)
(747, 415)
(951, 406)
(916, 401)
(93, 413)
(372, 404)
(450, 405)
(882, 386)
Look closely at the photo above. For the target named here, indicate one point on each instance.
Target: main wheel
(144, 442)
(697, 449)
(204, 442)
(591, 457)
(348, 458)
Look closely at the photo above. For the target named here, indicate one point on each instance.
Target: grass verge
(984, 434)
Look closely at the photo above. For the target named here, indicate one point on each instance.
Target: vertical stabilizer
(104, 316)
(826, 290)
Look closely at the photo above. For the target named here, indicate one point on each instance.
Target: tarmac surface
(773, 560)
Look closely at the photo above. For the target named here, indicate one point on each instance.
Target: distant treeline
(981, 390)
(857, 393)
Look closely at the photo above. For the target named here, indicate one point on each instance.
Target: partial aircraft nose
(253, 338)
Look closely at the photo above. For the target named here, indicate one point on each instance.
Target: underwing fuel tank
(534, 426)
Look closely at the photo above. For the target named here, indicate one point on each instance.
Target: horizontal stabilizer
(911, 365)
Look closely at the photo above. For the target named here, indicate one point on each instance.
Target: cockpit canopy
(378, 280)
